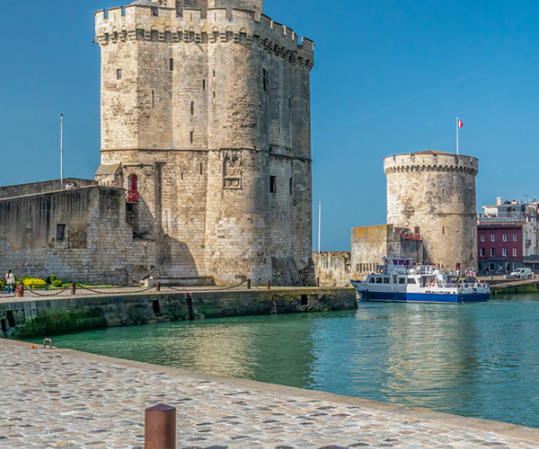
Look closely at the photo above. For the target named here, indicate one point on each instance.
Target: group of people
(10, 282)
(70, 185)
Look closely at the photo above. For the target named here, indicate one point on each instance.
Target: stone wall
(42, 186)
(78, 235)
(208, 104)
(371, 243)
(332, 268)
(435, 192)
(49, 317)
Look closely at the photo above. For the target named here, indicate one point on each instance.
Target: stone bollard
(73, 288)
(248, 284)
(268, 285)
(158, 286)
(19, 290)
(160, 427)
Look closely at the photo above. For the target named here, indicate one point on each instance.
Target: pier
(63, 398)
(49, 313)
(515, 286)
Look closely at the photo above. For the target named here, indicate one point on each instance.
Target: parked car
(522, 273)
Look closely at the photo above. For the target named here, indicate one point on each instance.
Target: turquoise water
(477, 360)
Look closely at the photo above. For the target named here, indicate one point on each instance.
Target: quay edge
(30, 317)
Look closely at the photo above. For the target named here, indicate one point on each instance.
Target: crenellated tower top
(179, 5)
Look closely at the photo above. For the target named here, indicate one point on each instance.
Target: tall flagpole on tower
(457, 136)
(61, 150)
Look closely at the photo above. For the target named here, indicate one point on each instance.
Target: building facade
(433, 194)
(508, 236)
(206, 121)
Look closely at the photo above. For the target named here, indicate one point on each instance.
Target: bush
(57, 283)
(51, 279)
(34, 282)
(2, 284)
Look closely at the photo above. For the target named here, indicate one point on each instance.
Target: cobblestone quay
(68, 399)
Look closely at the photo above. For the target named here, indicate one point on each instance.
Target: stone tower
(205, 120)
(435, 192)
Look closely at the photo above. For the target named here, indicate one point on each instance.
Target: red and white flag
(460, 124)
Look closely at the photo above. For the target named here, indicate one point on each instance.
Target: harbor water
(478, 360)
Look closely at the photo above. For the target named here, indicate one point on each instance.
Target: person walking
(10, 281)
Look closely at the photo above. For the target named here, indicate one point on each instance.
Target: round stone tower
(434, 193)
(205, 112)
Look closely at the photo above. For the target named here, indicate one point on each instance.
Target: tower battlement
(434, 161)
(214, 25)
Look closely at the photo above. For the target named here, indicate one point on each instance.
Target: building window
(119, 74)
(492, 252)
(273, 184)
(154, 11)
(515, 252)
(203, 84)
(482, 252)
(515, 238)
(60, 232)
(171, 64)
(482, 237)
(154, 35)
(504, 252)
(504, 237)
(492, 238)
(191, 136)
(291, 186)
(192, 107)
(265, 80)
(443, 230)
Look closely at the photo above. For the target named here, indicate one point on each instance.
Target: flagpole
(319, 223)
(61, 150)
(457, 136)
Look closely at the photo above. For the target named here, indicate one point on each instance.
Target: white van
(522, 273)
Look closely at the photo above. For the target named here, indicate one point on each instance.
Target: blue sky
(390, 77)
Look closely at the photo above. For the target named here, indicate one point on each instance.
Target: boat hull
(435, 298)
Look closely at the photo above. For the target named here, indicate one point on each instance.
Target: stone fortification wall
(208, 104)
(436, 192)
(29, 318)
(332, 268)
(371, 243)
(41, 187)
(79, 235)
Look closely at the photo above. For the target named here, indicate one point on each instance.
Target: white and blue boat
(399, 280)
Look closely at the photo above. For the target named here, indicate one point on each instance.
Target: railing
(131, 196)
(506, 219)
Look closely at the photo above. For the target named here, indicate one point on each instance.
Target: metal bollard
(158, 286)
(268, 285)
(19, 290)
(73, 288)
(160, 427)
(248, 284)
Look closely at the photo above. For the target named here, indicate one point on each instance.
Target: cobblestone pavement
(65, 399)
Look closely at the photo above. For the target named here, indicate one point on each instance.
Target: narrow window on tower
(291, 185)
(191, 136)
(192, 107)
(119, 74)
(273, 184)
(203, 84)
(171, 64)
(153, 98)
(443, 230)
(265, 80)
(201, 168)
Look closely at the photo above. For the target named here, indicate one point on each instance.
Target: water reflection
(474, 359)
